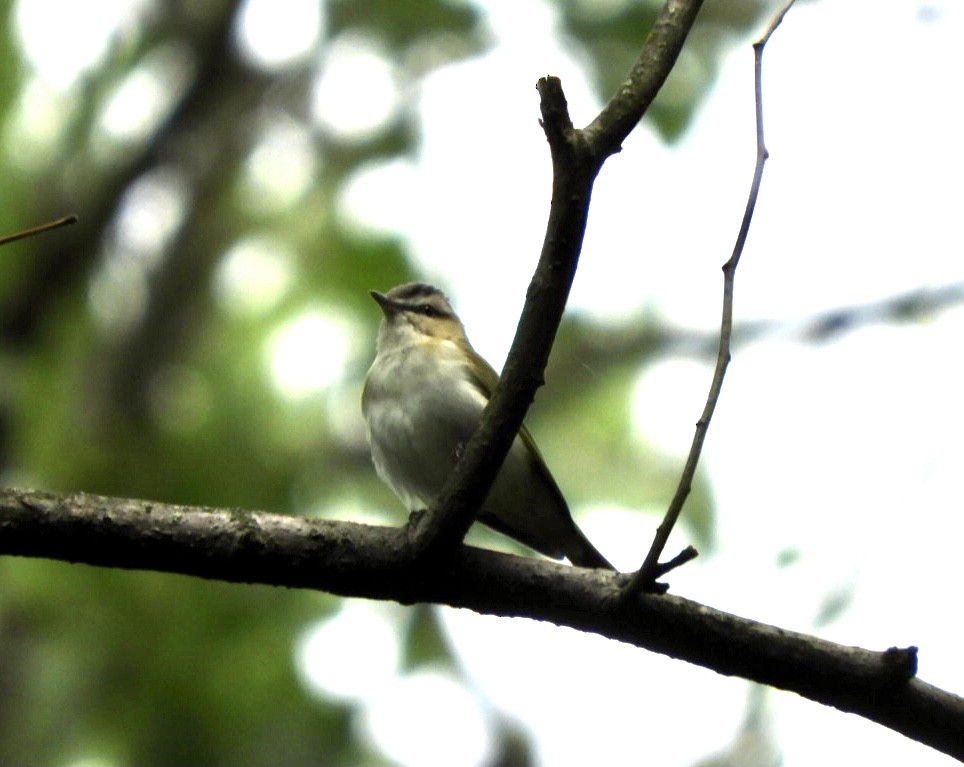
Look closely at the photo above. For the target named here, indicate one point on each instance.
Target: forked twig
(645, 577)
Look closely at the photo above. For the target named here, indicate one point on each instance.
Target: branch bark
(364, 561)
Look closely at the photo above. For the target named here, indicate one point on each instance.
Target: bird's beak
(389, 307)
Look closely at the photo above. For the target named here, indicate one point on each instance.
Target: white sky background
(848, 452)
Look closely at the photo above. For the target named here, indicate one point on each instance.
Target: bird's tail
(587, 555)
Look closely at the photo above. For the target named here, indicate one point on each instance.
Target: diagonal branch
(364, 561)
(577, 156)
(34, 230)
(627, 107)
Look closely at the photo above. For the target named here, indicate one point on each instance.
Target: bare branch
(364, 561)
(647, 574)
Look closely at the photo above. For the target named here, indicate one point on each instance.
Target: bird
(423, 399)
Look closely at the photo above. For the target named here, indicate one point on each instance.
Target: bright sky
(847, 451)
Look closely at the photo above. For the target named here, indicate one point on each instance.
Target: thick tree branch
(577, 156)
(359, 560)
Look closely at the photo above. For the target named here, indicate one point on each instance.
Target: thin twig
(647, 574)
(23, 234)
(686, 555)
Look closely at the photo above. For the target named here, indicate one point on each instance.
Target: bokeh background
(244, 172)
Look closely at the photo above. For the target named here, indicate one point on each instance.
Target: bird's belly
(415, 447)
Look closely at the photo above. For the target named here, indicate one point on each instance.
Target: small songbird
(423, 399)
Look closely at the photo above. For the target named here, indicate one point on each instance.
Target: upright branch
(577, 156)
(645, 578)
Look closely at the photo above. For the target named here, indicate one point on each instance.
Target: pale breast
(419, 411)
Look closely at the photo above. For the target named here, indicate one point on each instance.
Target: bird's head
(417, 312)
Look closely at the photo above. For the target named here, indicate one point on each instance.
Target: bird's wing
(483, 376)
(485, 379)
(579, 550)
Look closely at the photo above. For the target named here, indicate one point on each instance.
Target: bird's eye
(429, 311)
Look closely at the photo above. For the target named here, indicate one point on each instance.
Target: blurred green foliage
(125, 370)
